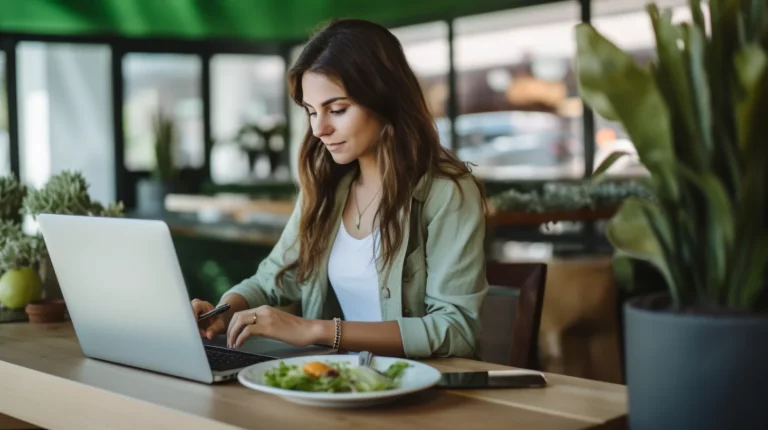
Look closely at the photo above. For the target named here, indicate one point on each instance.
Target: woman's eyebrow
(327, 102)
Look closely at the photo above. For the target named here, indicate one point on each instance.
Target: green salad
(340, 377)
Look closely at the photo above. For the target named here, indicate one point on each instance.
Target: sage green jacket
(434, 286)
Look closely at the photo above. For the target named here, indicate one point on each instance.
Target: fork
(365, 359)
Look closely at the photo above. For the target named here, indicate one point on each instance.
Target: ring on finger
(254, 320)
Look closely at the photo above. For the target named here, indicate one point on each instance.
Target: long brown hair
(369, 62)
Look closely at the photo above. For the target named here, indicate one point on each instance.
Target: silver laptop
(128, 302)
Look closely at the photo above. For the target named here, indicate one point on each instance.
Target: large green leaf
(673, 70)
(660, 226)
(695, 46)
(741, 30)
(764, 26)
(686, 251)
(609, 75)
(631, 232)
(608, 162)
(599, 102)
(755, 279)
(719, 227)
(756, 18)
(751, 63)
(697, 14)
(752, 110)
(727, 162)
(721, 48)
(624, 271)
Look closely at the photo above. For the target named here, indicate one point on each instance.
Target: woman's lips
(333, 147)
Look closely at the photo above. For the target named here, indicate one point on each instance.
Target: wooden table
(45, 380)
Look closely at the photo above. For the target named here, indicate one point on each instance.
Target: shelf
(533, 218)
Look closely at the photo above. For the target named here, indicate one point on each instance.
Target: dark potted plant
(151, 192)
(257, 139)
(696, 355)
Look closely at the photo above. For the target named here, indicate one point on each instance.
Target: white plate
(417, 377)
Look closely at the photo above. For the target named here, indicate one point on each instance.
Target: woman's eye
(311, 113)
(338, 112)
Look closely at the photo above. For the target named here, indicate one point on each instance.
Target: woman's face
(347, 129)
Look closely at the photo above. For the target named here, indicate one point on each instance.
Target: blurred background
(106, 88)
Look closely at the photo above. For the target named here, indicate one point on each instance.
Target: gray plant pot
(150, 196)
(695, 371)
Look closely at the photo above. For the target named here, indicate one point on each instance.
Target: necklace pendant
(357, 224)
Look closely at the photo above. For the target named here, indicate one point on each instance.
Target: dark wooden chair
(511, 314)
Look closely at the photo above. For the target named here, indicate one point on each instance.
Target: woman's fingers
(246, 332)
(215, 327)
(239, 321)
(200, 307)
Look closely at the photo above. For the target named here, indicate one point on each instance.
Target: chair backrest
(511, 313)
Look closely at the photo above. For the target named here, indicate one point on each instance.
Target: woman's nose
(321, 127)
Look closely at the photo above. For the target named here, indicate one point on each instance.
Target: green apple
(19, 287)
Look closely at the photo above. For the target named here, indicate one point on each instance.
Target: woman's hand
(212, 326)
(275, 324)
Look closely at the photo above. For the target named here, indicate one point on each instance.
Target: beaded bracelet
(337, 334)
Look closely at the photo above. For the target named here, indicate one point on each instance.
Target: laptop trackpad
(271, 347)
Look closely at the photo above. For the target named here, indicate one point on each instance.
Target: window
(426, 49)
(520, 116)
(247, 98)
(167, 85)
(65, 114)
(5, 150)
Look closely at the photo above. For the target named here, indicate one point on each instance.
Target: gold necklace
(360, 214)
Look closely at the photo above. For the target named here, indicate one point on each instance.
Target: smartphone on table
(515, 378)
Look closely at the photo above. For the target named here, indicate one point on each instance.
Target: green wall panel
(222, 19)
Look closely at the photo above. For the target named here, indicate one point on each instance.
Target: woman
(388, 229)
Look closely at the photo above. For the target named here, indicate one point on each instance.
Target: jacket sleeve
(260, 289)
(456, 281)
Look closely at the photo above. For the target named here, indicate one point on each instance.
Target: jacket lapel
(321, 282)
(391, 277)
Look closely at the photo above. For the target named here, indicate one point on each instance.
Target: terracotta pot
(46, 311)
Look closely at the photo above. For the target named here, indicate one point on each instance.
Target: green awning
(268, 20)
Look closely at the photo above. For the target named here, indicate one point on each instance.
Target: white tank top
(353, 275)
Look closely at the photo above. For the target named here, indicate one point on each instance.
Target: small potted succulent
(20, 255)
(11, 197)
(67, 194)
(27, 279)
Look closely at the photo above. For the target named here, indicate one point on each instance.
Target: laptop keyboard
(224, 359)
